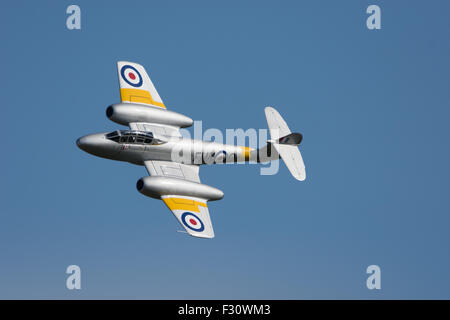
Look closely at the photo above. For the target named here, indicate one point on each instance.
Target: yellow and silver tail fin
(285, 143)
(136, 86)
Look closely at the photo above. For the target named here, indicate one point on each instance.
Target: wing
(191, 212)
(136, 86)
(172, 170)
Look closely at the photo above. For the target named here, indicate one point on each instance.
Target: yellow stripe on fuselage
(246, 152)
(183, 204)
(139, 96)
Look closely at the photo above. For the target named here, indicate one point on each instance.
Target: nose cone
(98, 145)
(88, 143)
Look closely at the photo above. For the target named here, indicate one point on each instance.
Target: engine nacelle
(156, 187)
(124, 113)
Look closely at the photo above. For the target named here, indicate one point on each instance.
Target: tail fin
(287, 145)
(136, 86)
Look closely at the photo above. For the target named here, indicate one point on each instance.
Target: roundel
(131, 76)
(193, 222)
(221, 156)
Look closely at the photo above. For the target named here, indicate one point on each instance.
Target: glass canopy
(132, 136)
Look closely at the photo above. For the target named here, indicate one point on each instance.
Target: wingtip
(301, 176)
(122, 62)
(202, 236)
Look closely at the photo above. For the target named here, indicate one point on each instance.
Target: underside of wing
(152, 126)
(192, 213)
(136, 86)
(142, 108)
(173, 170)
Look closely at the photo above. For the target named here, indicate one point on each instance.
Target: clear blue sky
(373, 106)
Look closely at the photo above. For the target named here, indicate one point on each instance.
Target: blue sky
(373, 107)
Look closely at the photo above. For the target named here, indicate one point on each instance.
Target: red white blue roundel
(193, 222)
(131, 76)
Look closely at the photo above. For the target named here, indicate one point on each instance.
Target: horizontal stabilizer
(285, 143)
(293, 160)
(277, 126)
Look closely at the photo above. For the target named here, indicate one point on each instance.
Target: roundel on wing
(193, 222)
(131, 76)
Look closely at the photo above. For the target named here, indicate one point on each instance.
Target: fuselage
(135, 147)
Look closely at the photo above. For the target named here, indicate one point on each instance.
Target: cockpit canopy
(132, 136)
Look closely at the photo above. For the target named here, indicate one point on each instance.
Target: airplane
(172, 161)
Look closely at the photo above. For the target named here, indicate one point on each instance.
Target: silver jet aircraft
(154, 140)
